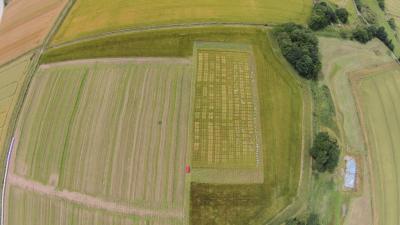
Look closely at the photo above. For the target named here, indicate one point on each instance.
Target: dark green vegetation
(342, 14)
(313, 219)
(325, 152)
(324, 108)
(324, 15)
(169, 42)
(364, 34)
(381, 4)
(392, 24)
(225, 204)
(300, 47)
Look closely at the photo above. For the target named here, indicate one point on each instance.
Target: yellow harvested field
(25, 24)
(225, 131)
(122, 14)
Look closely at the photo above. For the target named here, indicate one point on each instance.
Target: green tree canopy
(325, 152)
(299, 45)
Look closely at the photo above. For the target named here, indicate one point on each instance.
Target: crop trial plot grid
(225, 114)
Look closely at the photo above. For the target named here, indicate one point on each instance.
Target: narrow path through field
(87, 200)
(155, 28)
(166, 60)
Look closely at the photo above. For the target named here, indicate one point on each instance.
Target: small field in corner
(21, 32)
(12, 79)
(141, 13)
(114, 130)
(378, 94)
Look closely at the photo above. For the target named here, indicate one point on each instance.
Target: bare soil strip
(87, 200)
(166, 60)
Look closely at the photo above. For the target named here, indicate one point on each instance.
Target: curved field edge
(380, 127)
(340, 58)
(9, 126)
(125, 14)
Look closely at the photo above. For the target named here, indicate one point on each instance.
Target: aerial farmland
(199, 112)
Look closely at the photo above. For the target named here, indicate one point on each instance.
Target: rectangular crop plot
(114, 130)
(225, 114)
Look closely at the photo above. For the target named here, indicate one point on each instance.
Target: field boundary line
(166, 60)
(3, 193)
(155, 28)
(87, 200)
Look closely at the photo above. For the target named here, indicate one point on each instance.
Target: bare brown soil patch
(25, 24)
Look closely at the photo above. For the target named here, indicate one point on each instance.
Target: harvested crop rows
(142, 13)
(30, 208)
(115, 131)
(21, 32)
(225, 115)
(378, 93)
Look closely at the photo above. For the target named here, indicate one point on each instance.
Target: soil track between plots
(87, 200)
(166, 60)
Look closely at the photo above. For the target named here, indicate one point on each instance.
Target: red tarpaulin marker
(187, 169)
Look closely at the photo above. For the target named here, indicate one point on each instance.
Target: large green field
(120, 14)
(115, 130)
(378, 91)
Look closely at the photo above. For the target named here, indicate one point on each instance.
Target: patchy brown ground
(25, 24)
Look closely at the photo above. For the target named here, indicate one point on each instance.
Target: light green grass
(133, 115)
(141, 13)
(339, 59)
(378, 95)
